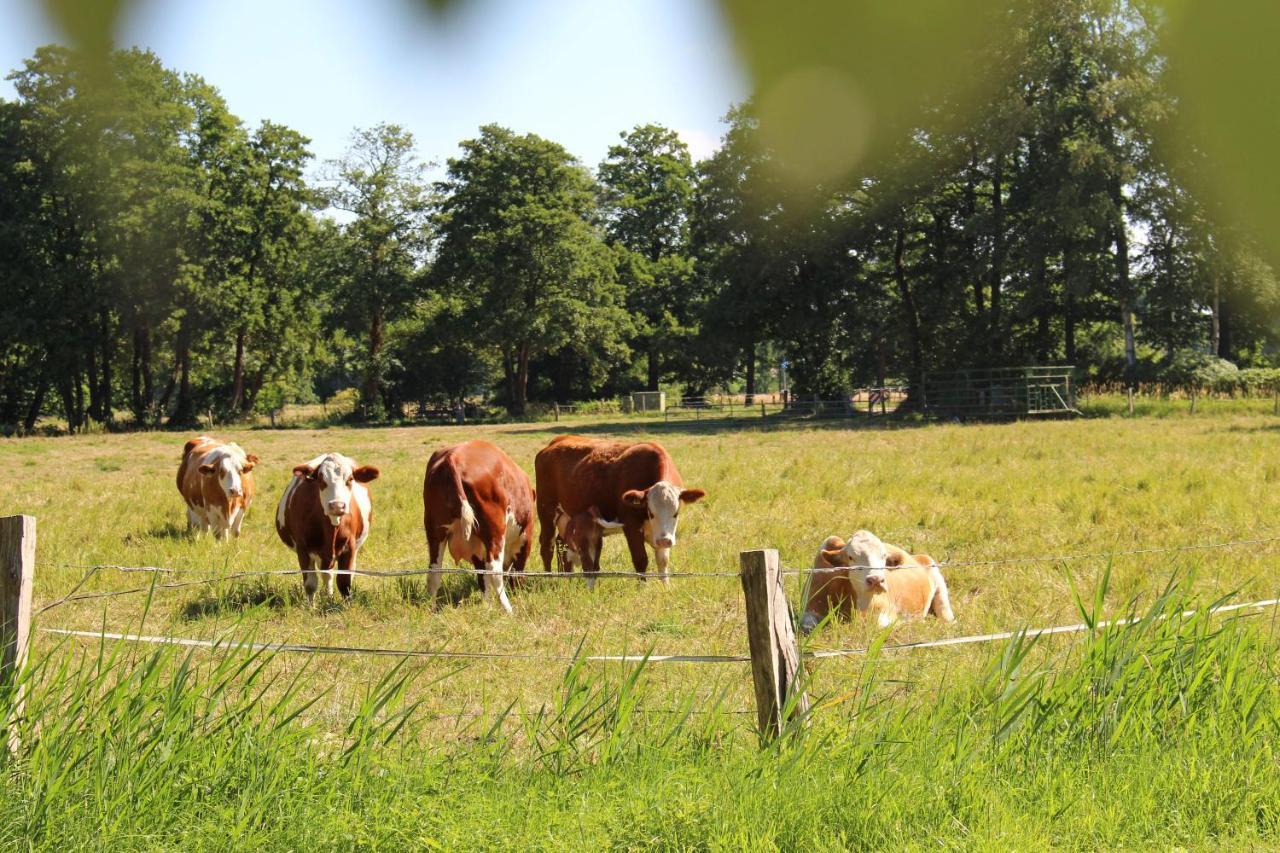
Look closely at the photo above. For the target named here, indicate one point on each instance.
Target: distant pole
(555, 407)
(1130, 391)
(762, 409)
(771, 636)
(17, 568)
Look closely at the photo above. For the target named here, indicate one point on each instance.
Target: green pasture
(1155, 736)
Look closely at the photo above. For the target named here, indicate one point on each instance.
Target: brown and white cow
(477, 501)
(324, 516)
(876, 578)
(634, 489)
(216, 481)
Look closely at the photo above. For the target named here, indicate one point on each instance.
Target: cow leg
(635, 544)
(435, 554)
(193, 521)
(662, 556)
(309, 580)
(346, 562)
(238, 519)
(940, 606)
(546, 535)
(494, 587)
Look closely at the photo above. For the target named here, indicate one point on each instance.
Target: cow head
(865, 556)
(662, 502)
(227, 466)
(335, 475)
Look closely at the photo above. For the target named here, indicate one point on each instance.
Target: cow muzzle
(336, 510)
(664, 542)
(875, 581)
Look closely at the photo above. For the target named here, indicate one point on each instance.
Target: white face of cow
(662, 502)
(228, 468)
(336, 475)
(866, 557)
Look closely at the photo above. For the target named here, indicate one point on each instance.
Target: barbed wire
(818, 654)
(94, 569)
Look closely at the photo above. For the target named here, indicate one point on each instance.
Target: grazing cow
(324, 516)
(634, 489)
(880, 578)
(216, 481)
(479, 502)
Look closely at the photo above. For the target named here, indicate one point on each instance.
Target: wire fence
(305, 648)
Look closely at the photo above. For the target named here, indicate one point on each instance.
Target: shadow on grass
(168, 530)
(238, 598)
(452, 592)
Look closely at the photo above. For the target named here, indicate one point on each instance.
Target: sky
(578, 72)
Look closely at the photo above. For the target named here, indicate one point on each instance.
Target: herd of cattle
(479, 504)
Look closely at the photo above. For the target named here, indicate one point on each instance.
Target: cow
(324, 516)
(477, 501)
(876, 578)
(635, 490)
(216, 481)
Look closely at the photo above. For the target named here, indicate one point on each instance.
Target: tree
(516, 244)
(379, 182)
(647, 185)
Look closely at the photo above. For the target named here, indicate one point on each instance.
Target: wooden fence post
(555, 407)
(775, 655)
(17, 567)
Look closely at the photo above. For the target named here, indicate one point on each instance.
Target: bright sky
(575, 71)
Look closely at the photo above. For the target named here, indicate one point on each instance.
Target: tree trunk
(522, 380)
(184, 410)
(751, 373)
(95, 385)
(237, 373)
(997, 257)
(370, 392)
(1125, 285)
(108, 358)
(509, 376)
(1215, 333)
(37, 401)
(1069, 327)
(1044, 310)
(916, 346)
(1224, 330)
(655, 366)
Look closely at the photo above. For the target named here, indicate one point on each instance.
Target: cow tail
(466, 514)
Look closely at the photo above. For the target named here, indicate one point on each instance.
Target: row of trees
(161, 259)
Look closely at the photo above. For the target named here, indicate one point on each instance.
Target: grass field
(1142, 737)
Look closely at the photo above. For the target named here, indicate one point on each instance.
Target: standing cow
(324, 516)
(477, 501)
(216, 480)
(634, 489)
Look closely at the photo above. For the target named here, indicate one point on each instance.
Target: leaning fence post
(771, 636)
(17, 566)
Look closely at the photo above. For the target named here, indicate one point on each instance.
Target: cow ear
(833, 556)
(365, 474)
(207, 469)
(249, 462)
(633, 498)
(305, 471)
(692, 495)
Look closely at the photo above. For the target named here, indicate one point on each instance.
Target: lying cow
(324, 516)
(876, 578)
(477, 501)
(632, 489)
(216, 481)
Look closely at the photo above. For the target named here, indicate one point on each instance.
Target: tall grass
(1153, 734)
